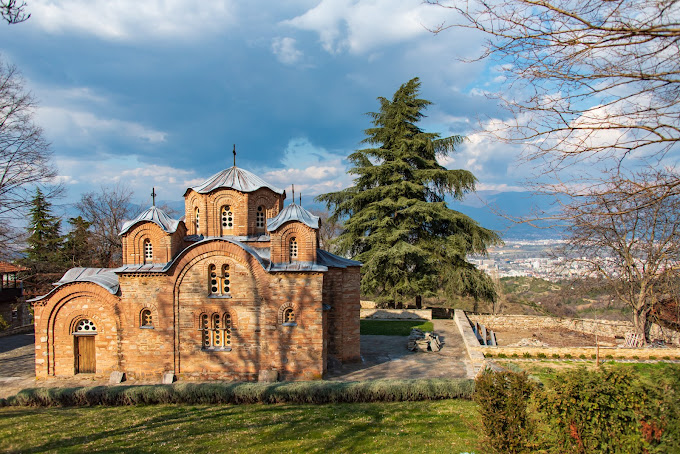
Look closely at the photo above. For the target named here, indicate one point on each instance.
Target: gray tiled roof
(104, 277)
(155, 215)
(293, 212)
(235, 178)
(334, 261)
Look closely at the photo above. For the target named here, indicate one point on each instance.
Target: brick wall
(305, 236)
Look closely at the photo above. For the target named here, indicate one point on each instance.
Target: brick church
(236, 288)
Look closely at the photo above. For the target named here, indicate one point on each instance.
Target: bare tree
(583, 78)
(13, 11)
(106, 211)
(631, 238)
(25, 157)
(328, 230)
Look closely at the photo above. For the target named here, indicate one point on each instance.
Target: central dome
(234, 178)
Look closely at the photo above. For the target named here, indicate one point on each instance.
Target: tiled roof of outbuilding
(235, 178)
(155, 215)
(293, 212)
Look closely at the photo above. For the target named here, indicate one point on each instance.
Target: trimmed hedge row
(312, 392)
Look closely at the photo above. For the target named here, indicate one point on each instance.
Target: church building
(236, 288)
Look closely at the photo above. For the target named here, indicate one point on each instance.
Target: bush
(488, 355)
(526, 355)
(567, 356)
(582, 356)
(312, 392)
(609, 357)
(502, 355)
(515, 355)
(593, 356)
(652, 357)
(542, 355)
(503, 399)
(556, 355)
(595, 411)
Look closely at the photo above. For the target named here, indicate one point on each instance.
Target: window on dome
(227, 216)
(259, 218)
(293, 249)
(148, 251)
(196, 217)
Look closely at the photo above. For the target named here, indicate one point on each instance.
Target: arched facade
(207, 301)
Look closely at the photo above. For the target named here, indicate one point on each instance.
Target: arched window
(85, 326)
(148, 251)
(259, 218)
(197, 217)
(289, 316)
(227, 216)
(215, 331)
(293, 249)
(218, 282)
(146, 319)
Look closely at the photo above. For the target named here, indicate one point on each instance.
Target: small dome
(234, 178)
(155, 215)
(293, 212)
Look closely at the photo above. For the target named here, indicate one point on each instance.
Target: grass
(430, 426)
(393, 328)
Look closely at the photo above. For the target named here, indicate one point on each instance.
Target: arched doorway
(84, 351)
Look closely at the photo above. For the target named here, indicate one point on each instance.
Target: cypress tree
(44, 251)
(397, 220)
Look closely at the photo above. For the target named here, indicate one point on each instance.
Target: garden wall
(601, 327)
(396, 314)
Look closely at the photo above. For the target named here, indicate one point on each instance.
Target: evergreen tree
(44, 250)
(398, 223)
(77, 247)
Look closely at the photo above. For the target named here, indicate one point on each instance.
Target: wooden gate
(85, 355)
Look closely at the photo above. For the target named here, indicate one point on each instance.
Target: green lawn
(393, 328)
(430, 426)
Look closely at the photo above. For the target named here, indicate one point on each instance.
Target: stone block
(168, 378)
(116, 377)
(268, 376)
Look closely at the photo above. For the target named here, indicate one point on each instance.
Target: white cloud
(285, 51)
(361, 26)
(82, 124)
(128, 19)
(312, 169)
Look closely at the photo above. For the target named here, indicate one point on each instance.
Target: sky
(157, 93)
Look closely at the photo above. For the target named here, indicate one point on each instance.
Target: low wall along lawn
(396, 314)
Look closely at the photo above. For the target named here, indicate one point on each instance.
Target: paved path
(382, 357)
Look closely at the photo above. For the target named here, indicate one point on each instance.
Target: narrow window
(148, 251)
(218, 283)
(146, 318)
(289, 316)
(216, 330)
(259, 217)
(293, 248)
(227, 219)
(197, 217)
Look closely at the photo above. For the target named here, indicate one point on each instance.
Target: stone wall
(396, 314)
(601, 327)
(588, 352)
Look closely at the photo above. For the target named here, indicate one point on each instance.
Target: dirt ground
(559, 337)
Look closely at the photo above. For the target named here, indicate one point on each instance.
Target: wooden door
(85, 357)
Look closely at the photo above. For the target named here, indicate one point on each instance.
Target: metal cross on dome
(153, 196)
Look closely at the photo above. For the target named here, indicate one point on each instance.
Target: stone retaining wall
(575, 352)
(396, 314)
(18, 330)
(601, 327)
(469, 339)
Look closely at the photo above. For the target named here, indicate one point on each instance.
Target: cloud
(285, 51)
(129, 19)
(313, 169)
(82, 125)
(361, 26)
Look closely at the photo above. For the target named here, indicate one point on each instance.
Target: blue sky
(156, 95)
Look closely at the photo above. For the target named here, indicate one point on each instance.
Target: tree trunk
(641, 324)
(419, 302)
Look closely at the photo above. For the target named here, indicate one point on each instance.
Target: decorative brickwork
(205, 308)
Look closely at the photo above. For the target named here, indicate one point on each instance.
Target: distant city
(535, 258)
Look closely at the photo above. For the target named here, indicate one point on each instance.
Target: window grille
(259, 217)
(216, 331)
(148, 251)
(289, 315)
(197, 217)
(227, 218)
(146, 317)
(218, 282)
(86, 326)
(293, 248)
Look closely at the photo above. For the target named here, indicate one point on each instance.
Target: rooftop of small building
(155, 215)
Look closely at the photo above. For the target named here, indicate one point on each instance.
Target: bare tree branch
(13, 12)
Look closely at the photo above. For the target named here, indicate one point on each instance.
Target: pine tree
(397, 220)
(77, 247)
(44, 251)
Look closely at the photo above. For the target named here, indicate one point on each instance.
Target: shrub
(313, 392)
(567, 356)
(609, 357)
(502, 355)
(667, 358)
(503, 399)
(652, 357)
(636, 357)
(526, 355)
(556, 356)
(593, 356)
(582, 356)
(515, 355)
(488, 355)
(594, 411)
(542, 355)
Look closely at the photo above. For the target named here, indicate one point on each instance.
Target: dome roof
(235, 178)
(293, 212)
(155, 215)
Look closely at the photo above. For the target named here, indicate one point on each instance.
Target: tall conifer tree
(398, 223)
(45, 241)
